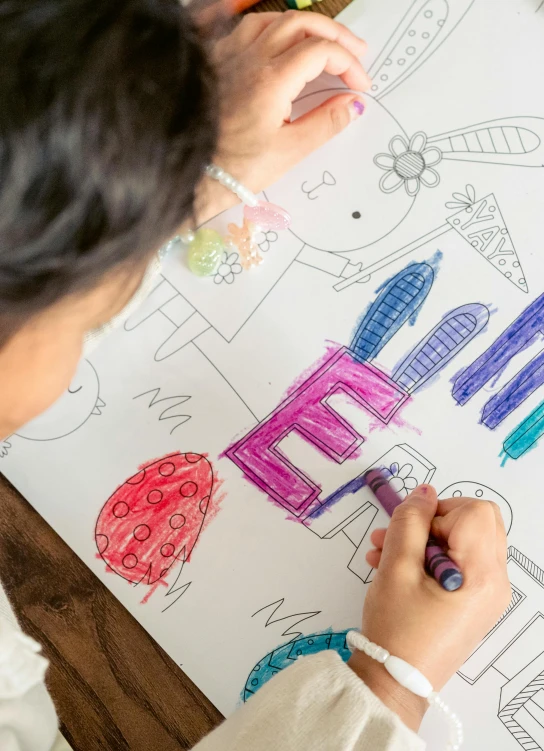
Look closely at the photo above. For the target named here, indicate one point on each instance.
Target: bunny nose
(312, 191)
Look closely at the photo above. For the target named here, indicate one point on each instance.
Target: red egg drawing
(155, 518)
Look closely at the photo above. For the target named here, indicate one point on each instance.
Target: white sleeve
(317, 703)
(27, 716)
(28, 722)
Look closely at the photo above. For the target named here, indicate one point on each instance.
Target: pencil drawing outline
(176, 401)
(275, 608)
(86, 387)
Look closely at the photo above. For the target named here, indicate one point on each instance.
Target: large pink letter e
(308, 412)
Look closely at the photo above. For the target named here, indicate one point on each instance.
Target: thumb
(410, 526)
(315, 128)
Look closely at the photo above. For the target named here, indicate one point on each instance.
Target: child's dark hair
(107, 119)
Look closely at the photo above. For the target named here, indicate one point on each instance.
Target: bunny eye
(356, 215)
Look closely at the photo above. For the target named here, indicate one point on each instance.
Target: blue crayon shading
(349, 488)
(398, 299)
(286, 654)
(527, 433)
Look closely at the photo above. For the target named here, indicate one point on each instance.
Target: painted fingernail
(356, 109)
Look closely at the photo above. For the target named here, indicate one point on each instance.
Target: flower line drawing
(227, 269)
(409, 164)
(400, 478)
(265, 240)
(463, 200)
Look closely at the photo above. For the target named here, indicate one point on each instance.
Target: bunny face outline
(333, 218)
(318, 206)
(396, 167)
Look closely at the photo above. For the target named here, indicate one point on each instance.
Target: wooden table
(115, 689)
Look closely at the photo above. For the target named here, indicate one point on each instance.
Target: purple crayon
(440, 566)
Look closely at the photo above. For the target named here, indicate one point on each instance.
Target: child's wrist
(212, 199)
(409, 707)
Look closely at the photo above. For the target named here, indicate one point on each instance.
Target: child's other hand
(263, 66)
(409, 614)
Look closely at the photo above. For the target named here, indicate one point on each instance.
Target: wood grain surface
(114, 688)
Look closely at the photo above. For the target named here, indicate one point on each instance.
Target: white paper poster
(204, 463)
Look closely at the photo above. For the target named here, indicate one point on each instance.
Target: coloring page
(206, 461)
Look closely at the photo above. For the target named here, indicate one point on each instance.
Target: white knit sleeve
(27, 716)
(318, 703)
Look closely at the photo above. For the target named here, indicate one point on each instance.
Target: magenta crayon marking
(308, 412)
(440, 566)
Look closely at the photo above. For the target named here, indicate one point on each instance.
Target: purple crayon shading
(442, 344)
(516, 391)
(514, 339)
(440, 566)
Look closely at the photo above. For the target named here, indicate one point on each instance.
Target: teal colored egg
(205, 251)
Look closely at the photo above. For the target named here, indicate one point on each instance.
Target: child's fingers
(306, 61)
(241, 37)
(373, 558)
(293, 27)
(451, 504)
(315, 128)
(252, 26)
(409, 529)
(451, 509)
(472, 533)
(377, 538)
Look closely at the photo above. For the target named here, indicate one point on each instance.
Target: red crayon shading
(155, 518)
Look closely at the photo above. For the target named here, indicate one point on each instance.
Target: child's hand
(409, 614)
(263, 66)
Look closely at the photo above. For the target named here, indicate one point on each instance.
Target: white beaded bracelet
(228, 181)
(411, 678)
(206, 248)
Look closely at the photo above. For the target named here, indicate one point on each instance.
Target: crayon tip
(451, 579)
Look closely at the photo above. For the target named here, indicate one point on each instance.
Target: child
(110, 113)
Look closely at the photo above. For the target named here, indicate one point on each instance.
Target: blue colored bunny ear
(397, 301)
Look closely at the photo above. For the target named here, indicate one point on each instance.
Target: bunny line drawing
(398, 169)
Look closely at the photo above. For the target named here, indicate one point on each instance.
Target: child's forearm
(409, 707)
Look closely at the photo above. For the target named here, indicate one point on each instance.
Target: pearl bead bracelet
(206, 247)
(409, 677)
